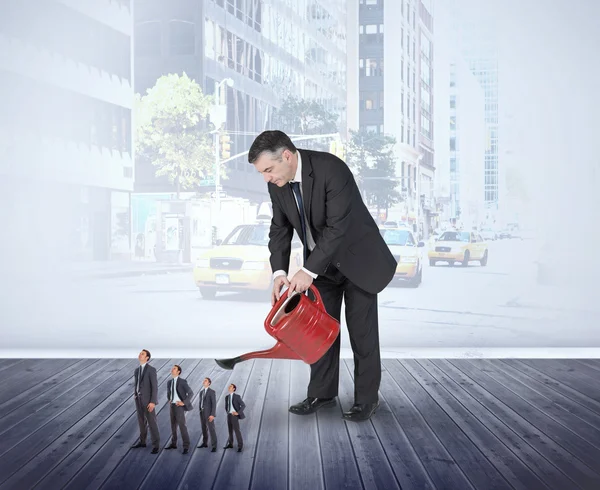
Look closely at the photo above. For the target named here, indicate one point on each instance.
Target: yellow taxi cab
(407, 253)
(459, 246)
(241, 262)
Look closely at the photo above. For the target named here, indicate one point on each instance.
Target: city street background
(465, 309)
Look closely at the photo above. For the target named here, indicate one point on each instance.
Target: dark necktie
(298, 194)
(202, 402)
(139, 380)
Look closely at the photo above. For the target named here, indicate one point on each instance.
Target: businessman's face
(231, 389)
(206, 384)
(143, 357)
(174, 371)
(278, 171)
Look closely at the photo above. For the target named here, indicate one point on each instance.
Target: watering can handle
(318, 301)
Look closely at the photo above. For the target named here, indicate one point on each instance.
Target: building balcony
(49, 67)
(113, 13)
(29, 155)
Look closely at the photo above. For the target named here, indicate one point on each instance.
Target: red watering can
(302, 328)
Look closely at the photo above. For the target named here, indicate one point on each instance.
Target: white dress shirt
(309, 238)
(139, 380)
(231, 409)
(174, 387)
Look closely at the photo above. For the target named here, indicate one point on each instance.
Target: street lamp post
(218, 116)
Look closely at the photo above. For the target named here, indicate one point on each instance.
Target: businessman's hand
(180, 404)
(278, 284)
(300, 282)
(151, 407)
(235, 413)
(211, 418)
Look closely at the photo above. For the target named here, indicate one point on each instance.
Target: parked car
(489, 234)
(241, 262)
(407, 252)
(459, 246)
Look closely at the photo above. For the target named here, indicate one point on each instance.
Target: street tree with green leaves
(371, 157)
(171, 130)
(300, 116)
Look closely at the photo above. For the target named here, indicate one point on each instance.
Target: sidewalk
(124, 268)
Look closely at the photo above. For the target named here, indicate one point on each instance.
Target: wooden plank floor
(442, 424)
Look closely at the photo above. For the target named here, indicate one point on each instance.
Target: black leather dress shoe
(154, 451)
(311, 405)
(229, 446)
(186, 450)
(239, 449)
(139, 444)
(360, 412)
(202, 445)
(172, 446)
(213, 450)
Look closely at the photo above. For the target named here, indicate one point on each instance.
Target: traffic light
(225, 146)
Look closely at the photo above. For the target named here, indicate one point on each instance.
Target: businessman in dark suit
(180, 396)
(234, 407)
(345, 257)
(145, 390)
(208, 407)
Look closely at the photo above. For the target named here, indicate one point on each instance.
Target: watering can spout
(278, 351)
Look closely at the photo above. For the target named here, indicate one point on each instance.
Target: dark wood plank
(8, 363)
(236, 468)
(373, 464)
(506, 462)
(24, 380)
(592, 363)
(545, 404)
(340, 469)
(465, 453)
(25, 441)
(570, 378)
(272, 449)
(135, 465)
(204, 465)
(590, 374)
(16, 410)
(24, 367)
(546, 471)
(304, 449)
(170, 465)
(555, 397)
(546, 380)
(42, 463)
(406, 465)
(108, 432)
(539, 426)
(442, 469)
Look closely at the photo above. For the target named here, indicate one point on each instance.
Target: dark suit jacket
(238, 405)
(210, 402)
(344, 231)
(184, 392)
(148, 386)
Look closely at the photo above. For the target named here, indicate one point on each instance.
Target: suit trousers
(207, 427)
(363, 328)
(147, 419)
(233, 424)
(178, 420)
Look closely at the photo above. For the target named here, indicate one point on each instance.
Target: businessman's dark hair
(178, 367)
(272, 142)
(147, 353)
(209, 380)
(234, 387)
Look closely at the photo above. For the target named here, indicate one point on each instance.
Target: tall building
(66, 92)
(270, 49)
(394, 89)
(461, 130)
(474, 26)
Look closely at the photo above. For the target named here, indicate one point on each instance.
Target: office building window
(181, 37)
